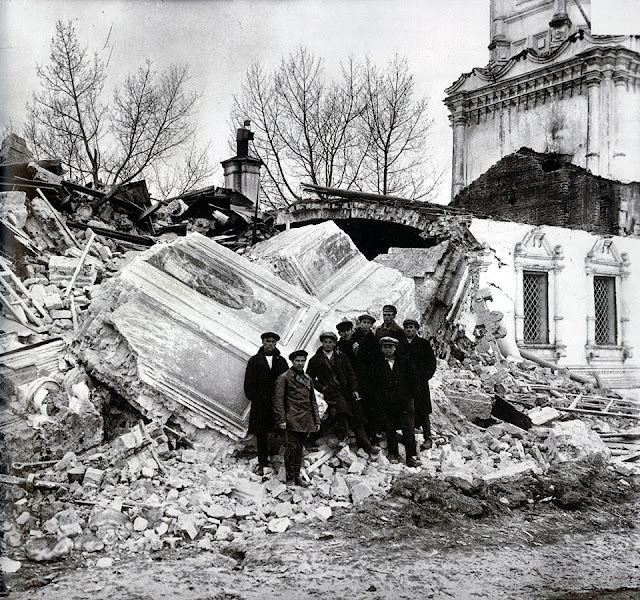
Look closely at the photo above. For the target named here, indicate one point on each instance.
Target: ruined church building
(546, 159)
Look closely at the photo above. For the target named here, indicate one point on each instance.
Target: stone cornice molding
(467, 83)
(569, 77)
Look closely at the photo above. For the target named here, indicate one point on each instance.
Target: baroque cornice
(481, 77)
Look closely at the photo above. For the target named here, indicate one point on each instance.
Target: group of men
(374, 382)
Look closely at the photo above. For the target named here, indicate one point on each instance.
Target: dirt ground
(569, 535)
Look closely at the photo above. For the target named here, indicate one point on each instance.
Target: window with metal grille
(536, 310)
(604, 296)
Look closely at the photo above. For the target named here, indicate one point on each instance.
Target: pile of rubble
(103, 424)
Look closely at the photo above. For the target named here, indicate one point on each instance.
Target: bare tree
(192, 171)
(363, 130)
(397, 126)
(116, 139)
(306, 129)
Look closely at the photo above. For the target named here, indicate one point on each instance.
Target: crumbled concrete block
(71, 529)
(53, 301)
(574, 440)
(326, 471)
(357, 467)
(324, 512)
(248, 491)
(279, 525)
(140, 524)
(217, 511)
(197, 456)
(38, 293)
(223, 533)
(283, 509)
(188, 523)
(60, 314)
(23, 518)
(104, 563)
(512, 470)
(339, 487)
(93, 477)
(360, 491)
(346, 456)
(162, 528)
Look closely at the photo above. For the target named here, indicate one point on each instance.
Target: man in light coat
(296, 412)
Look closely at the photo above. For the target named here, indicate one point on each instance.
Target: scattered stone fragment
(279, 525)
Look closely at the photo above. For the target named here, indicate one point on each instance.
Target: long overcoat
(420, 353)
(334, 378)
(397, 387)
(259, 382)
(294, 402)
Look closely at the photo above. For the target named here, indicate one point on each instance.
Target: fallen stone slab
(323, 261)
(472, 406)
(174, 331)
(541, 415)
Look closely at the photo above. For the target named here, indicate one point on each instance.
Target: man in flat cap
(259, 379)
(345, 343)
(389, 327)
(334, 377)
(418, 350)
(366, 350)
(396, 382)
(296, 411)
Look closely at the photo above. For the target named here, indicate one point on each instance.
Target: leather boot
(426, 430)
(362, 440)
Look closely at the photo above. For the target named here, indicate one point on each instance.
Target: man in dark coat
(418, 350)
(334, 377)
(296, 412)
(396, 382)
(345, 343)
(259, 379)
(389, 327)
(366, 351)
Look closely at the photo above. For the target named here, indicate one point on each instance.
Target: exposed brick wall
(545, 189)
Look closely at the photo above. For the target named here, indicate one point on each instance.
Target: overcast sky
(220, 39)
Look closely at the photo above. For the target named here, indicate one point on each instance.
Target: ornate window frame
(605, 260)
(536, 253)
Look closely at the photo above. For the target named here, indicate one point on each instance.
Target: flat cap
(387, 340)
(328, 334)
(390, 308)
(269, 334)
(411, 322)
(344, 326)
(365, 316)
(297, 353)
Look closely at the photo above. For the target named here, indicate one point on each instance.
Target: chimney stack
(242, 172)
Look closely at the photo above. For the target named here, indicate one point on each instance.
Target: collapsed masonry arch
(373, 225)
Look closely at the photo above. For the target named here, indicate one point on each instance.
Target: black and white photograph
(320, 299)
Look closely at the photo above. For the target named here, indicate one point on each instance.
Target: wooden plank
(598, 413)
(83, 256)
(35, 320)
(66, 232)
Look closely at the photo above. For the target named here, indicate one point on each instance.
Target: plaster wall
(557, 126)
(573, 295)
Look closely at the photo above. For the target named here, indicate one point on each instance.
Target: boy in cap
(333, 375)
(259, 380)
(296, 411)
(396, 382)
(366, 350)
(418, 350)
(389, 327)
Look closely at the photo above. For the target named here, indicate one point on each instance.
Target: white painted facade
(552, 87)
(571, 259)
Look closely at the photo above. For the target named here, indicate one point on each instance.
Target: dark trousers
(293, 457)
(263, 448)
(403, 419)
(422, 419)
